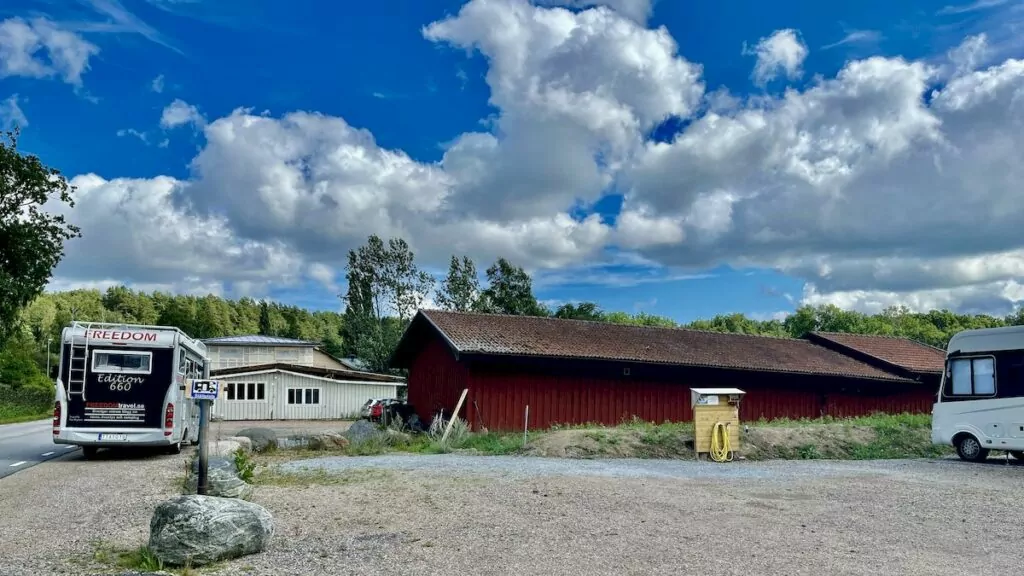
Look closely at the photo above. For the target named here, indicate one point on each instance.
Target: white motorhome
(980, 404)
(123, 385)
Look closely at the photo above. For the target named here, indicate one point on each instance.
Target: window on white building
(245, 391)
(303, 395)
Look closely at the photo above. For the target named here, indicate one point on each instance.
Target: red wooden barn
(572, 371)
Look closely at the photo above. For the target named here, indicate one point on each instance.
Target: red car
(373, 409)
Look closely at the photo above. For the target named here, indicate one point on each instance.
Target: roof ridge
(888, 336)
(607, 323)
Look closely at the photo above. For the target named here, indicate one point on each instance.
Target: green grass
(891, 436)
(25, 404)
(16, 415)
(917, 421)
(140, 559)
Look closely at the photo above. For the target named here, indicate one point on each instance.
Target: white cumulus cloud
(894, 181)
(180, 113)
(39, 48)
(781, 53)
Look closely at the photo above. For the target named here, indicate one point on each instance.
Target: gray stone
(262, 438)
(242, 441)
(200, 530)
(221, 479)
(289, 442)
(327, 441)
(223, 448)
(362, 430)
(396, 437)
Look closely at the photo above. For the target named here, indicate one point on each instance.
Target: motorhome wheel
(969, 448)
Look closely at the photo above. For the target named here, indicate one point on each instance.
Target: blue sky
(374, 65)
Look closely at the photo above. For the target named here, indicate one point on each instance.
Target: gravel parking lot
(490, 515)
(226, 428)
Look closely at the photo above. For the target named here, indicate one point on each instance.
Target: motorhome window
(125, 362)
(181, 361)
(973, 376)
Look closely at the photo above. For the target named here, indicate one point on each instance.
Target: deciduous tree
(385, 288)
(32, 239)
(460, 289)
(510, 291)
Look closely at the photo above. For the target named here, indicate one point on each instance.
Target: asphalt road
(25, 445)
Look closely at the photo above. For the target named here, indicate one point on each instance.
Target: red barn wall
(435, 380)
(498, 398)
(502, 399)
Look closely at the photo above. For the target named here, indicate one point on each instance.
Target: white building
(237, 351)
(270, 378)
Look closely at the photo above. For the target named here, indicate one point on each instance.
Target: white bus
(980, 403)
(122, 385)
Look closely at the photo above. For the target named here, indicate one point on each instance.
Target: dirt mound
(811, 441)
(612, 443)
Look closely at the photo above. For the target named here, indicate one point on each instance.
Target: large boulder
(221, 479)
(262, 438)
(200, 530)
(362, 430)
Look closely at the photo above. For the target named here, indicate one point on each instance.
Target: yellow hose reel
(716, 422)
(721, 450)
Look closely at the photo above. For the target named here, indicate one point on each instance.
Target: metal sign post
(204, 392)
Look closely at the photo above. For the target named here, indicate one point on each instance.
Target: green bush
(27, 403)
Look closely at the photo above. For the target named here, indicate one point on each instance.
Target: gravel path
(226, 428)
(450, 514)
(530, 467)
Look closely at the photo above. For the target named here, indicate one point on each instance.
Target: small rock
(205, 529)
(242, 441)
(396, 437)
(262, 438)
(328, 441)
(221, 479)
(289, 442)
(362, 430)
(223, 448)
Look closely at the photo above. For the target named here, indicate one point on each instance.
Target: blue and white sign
(204, 389)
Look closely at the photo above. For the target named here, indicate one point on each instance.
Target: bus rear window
(121, 362)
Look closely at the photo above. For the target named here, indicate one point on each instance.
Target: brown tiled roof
(550, 337)
(901, 352)
(332, 373)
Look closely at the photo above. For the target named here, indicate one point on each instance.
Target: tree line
(386, 288)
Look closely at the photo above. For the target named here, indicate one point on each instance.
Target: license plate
(113, 437)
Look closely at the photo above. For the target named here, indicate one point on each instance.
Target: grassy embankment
(25, 404)
(871, 437)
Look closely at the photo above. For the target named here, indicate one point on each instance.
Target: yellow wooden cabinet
(713, 407)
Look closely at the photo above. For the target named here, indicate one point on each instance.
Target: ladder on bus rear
(79, 361)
